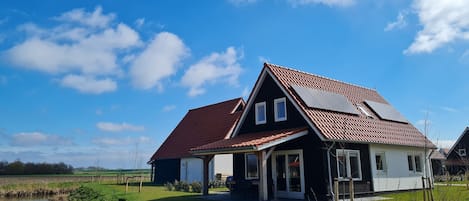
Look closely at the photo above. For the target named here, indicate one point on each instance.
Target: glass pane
(281, 110)
(260, 113)
(251, 166)
(354, 165)
(379, 162)
(411, 164)
(342, 168)
(294, 173)
(418, 164)
(281, 173)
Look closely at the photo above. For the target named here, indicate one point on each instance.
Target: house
(299, 132)
(172, 161)
(438, 159)
(457, 161)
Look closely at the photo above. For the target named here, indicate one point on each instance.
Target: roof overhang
(231, 149)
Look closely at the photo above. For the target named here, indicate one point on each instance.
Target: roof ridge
(213, 104)
(320, 76)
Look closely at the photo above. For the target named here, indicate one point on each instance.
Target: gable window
(280, 109)
(380, 162)
(462, 152)
(251, 164)
(261, 117)
(348, 164)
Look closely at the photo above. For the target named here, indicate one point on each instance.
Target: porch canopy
(257, 142)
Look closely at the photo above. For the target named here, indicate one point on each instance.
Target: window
(462, 152)
(348, 164)
(410, 161)
(380, 162)
(250, 160)
(260, 113)
(280, 107)
(414, 162)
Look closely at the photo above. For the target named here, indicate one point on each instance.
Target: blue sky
(104, 83)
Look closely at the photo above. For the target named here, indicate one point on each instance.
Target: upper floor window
(280, 107)
(261, 117)
(462, 152)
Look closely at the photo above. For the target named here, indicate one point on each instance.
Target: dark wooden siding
(166, 170)
(457, 164)
(268, 92)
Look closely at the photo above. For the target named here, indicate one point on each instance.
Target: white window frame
(462, 152)
(346, 153)
(414, 163)
(261, 104)
(246, 166)
(383, 159)
(360, 107)
(278, 100)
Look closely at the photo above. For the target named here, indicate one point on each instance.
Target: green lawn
(440, 193)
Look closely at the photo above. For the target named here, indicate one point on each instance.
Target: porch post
(263, 187)
(152, 172)
(206, 163)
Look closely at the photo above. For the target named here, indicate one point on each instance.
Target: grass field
(440, 193)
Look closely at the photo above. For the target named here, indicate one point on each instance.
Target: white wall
(397, 175)
(192, 168)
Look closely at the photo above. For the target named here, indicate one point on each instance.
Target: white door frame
(287, 194)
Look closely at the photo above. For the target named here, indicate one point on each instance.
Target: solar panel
(385, 111)
(315, 98)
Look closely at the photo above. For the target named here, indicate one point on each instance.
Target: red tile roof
(200, 126)
(336, 126)
(250, 141)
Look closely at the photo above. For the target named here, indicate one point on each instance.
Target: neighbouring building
(299, 132)
(172, 161)
(438, 160)
(457, 161)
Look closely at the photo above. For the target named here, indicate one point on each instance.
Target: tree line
(20, 168)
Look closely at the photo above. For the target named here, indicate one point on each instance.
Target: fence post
(351, 190)
(140, 187)
(126, 184)
(336, 189)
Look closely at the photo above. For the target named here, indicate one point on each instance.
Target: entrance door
(288, 176)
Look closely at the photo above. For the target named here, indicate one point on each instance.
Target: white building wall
(192, 168)
(397, 175)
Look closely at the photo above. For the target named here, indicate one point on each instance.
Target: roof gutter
(224, 150)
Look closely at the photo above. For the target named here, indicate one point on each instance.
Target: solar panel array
(386, 112)
(315, 98)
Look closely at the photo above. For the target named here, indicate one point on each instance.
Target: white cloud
(37, 139)
(449, 109)
(242, 2)
(444, 143)
(339, 3)
(245, 93)
(139, 22)
(169, 108)
(464, 57)
(94, 19)
(91, 48)
(263, 59)
(398, 24)
(443, 22)
(215, 68)
(88, 84)
(118, 127)
(120, 141)
(159, 60)
(422, 122)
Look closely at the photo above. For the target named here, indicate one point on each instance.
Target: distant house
(299, 132)
(457, 161)
(172, 161)
(438, 159)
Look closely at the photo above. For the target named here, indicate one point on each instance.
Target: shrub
(185, 186)
(177, 185)
(85, 194)
(169, 186)
(196, 187)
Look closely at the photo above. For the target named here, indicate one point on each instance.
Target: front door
(288, 174)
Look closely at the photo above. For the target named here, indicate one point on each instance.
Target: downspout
(329, 169)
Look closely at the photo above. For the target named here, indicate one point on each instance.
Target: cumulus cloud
(169, 108)
(88, 84)
(118, 127)
(339, 3)
(84, 43)
(398, 24)
(94, 19)
(444, 143)
(215, 68)
(158, 61)
(120, 141)
(443, 22)
(38, 139)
